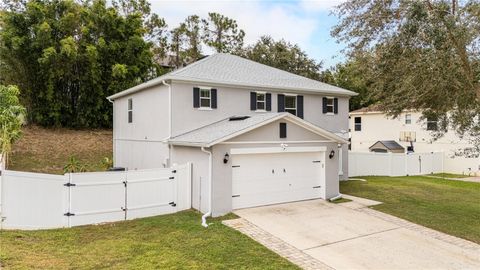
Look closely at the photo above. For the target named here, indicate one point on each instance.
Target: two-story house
(255, 135)
(410, 131)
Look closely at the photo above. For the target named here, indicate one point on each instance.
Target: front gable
(271, 132)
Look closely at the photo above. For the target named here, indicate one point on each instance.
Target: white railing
(394, 164)
(42, 201)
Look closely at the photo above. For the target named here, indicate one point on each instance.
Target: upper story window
(330, 105)
(358, 123)
(205, 98)
(432, 123)
(291, 104)
(408, 119)
(261, 101)
(130, 110)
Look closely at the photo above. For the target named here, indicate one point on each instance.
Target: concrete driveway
(342, 236)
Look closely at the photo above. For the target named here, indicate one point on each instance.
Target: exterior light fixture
(226, 158)
(332, 154)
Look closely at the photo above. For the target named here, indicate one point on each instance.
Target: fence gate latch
(173, 204)
(68, 214)
(69, 184)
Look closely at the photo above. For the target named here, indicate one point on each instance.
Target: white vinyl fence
(393, 164)
(41, 201)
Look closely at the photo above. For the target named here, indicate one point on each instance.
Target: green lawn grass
(176, 241)
(449, 175)
(449, 206)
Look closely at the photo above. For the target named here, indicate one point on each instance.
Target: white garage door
(262, 179)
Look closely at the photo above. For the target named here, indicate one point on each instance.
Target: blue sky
(306, 22)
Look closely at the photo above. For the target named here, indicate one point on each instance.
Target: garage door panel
(261, 179)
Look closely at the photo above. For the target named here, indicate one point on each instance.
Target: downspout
(169, 108)
(209, 213)
(169, 119)
(113, 131)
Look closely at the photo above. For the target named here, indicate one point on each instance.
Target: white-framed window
(130, 110)
(432, 123)
(408, 119)
(205, 98)
(261, 99)
(291, 104)
(330, 105)
(358, 123)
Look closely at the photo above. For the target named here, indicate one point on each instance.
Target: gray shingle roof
(222, 130)
(227, 69)
(392, 145)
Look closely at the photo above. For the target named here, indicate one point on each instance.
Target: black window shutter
(281, 102)
(196, 97)
(335, 105)
(253, 101)
(283, 130)
(324, 107)
(300, 106)
(213, 92)
(268, 102)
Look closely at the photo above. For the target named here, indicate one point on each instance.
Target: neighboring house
(255, 134)
(370, 125)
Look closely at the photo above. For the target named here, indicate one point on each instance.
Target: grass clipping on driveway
(163, 242)
(448, 206)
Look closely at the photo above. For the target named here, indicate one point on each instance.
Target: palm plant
(12, 115)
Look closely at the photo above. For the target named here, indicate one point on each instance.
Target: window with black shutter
(330, 105)
(260, 101)
(205, 98)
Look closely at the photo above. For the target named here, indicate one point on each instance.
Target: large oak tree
(425, 56)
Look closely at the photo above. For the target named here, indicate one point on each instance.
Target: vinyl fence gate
(34, 201)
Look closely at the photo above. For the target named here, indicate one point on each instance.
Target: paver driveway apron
(344, 238)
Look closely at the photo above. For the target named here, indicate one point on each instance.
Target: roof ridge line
(175, 72)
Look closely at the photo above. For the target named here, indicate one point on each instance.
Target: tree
(221, 33)
(425, 56)
(67, 56)
(351, 75)
(186, 44)
(12, 116)
(282, 55)
(191, 28)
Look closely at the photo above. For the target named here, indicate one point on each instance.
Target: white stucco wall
(222, 173)
(236, 101)
(199, 160)
(377, 126)
(140, 144)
